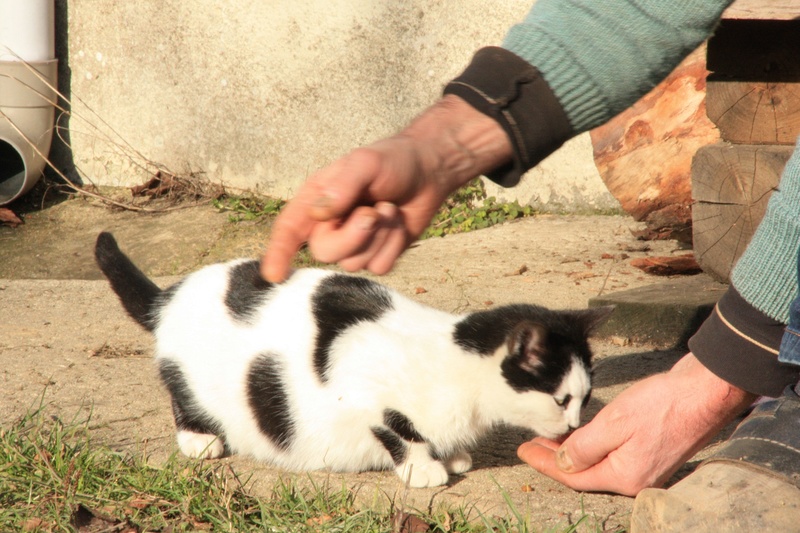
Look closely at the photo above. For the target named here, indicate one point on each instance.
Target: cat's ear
(527, 345)
(592, 318)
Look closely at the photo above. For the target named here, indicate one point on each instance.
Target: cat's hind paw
(458, 463)
(200, 445)
(424, 474)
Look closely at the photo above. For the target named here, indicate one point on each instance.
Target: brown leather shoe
(751, 484)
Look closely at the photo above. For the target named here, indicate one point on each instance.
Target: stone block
(664, 314)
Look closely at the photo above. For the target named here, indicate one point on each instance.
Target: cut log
(644, 154)
(755, 112)
(731, 184)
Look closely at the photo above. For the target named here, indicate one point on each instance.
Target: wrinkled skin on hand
(365, 209)
(644, 435)
(362, 211)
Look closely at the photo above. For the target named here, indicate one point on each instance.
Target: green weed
(249, 207)
(53, 478)
(470, 209)
(467, 209)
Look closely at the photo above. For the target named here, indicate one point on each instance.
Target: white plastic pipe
(27, 30)
(28, 71)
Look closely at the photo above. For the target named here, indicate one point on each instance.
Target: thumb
(586, 446)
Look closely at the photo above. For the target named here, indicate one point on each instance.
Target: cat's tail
(137, 293)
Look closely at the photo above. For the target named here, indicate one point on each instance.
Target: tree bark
(644, 154)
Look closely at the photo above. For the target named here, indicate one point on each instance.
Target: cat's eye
(563, 401)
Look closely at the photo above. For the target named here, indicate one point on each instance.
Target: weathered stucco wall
(258, 95)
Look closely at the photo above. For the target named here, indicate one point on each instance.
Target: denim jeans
(790, 345)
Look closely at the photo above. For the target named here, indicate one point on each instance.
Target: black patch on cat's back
(246, 289)
(187, 414)
(269, 401)
(340, 302)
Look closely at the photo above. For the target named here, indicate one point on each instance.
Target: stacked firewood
(753, 97)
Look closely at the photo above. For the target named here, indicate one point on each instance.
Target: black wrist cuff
(739, 343)
(507, 88)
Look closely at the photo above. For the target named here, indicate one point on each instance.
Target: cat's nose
(573, 422)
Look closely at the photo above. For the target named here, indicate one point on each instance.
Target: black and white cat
(334, 371)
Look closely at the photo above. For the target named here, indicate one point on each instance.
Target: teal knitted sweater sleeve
(599, 57)
(766, 274)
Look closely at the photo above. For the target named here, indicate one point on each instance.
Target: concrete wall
(259, 94)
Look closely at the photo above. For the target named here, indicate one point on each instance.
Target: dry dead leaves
(9, 218)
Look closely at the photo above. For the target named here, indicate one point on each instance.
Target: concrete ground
(64, 335)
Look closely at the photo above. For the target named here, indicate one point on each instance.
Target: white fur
(200, 445)
(405, 361)
(419, 470)
(576, 380)
(459, 463)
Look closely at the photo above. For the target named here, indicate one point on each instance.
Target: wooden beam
(755, 50)
(763, 10)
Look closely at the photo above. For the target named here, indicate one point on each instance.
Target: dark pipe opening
(12, 171)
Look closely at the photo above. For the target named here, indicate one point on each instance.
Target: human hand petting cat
(365, 209)
(644, 435)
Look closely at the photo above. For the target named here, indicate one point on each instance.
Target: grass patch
(53, 478)
(248, 207)
(469, 208)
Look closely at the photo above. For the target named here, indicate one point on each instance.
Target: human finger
(600, 478)
(331, 193)
(547, 443)
(591, 443)
(395, 244)
(335, 240)
(289, 231)
(386, 245)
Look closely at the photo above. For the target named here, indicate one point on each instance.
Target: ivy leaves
(469, 209)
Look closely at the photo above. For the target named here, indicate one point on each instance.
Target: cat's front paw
(200, 445)
(424, 474)
(458, 463)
